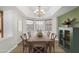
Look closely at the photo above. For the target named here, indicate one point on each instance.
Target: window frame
(1, 31)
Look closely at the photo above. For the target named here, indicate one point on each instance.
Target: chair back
(48, 34)
(24, 38)
(53, 37)
(29, 34)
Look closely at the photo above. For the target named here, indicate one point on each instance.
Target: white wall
(10, 18)
(7, 19)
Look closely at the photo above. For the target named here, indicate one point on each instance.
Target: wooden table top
(34, 38)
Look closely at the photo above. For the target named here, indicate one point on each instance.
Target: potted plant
(40, 34)
(69, 22)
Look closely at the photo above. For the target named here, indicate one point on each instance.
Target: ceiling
(50, 11)
(29, 11)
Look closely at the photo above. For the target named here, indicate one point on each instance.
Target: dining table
(35, 40)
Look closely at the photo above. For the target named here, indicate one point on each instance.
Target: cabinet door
(61, 40)
(67, 39)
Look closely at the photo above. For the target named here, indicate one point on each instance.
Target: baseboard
(19, 41)
(12, 48)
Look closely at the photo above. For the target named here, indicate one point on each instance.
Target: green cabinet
(69, 39)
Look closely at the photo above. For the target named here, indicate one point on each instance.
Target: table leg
(30, 49)
(54, 48)
(50, 48)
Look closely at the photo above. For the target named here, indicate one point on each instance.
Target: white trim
(12, 48)
(19, 41)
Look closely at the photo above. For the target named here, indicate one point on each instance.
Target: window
(29, 25)
(38, 25)
(48, 25)
(1, 24)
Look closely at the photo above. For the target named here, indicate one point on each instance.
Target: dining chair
(53, 37)
(24, 42)
(29, 34)
(48, 34)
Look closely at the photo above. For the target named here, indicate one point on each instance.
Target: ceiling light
(39, 11)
